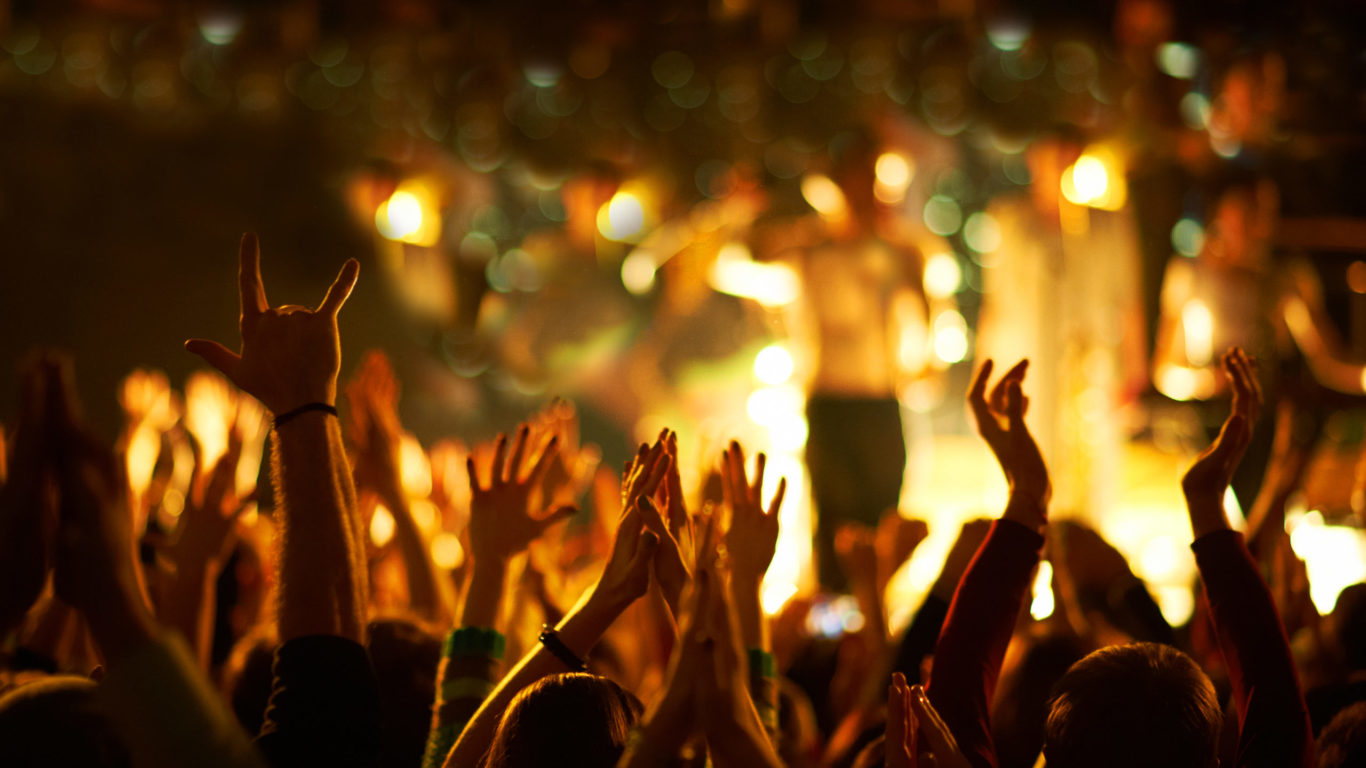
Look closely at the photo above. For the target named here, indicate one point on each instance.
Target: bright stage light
(446, 551)
(622, 218)
(950, 337)
(381, 526)
(773, 364)
(409, 215)
(943, 276)
(824, 195)
(1042, 604)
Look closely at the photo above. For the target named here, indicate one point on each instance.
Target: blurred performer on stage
(1238, 291)
(864, 304)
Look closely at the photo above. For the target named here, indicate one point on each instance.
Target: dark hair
(1022, 704)
(247, 677)
(575, 714)
(1343, 741)
(1140, 704)
(1349, 619)
(405, 657)
(58, 721)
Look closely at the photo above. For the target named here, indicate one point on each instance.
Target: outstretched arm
(377, 435)
(1272, 717)
(162, 706)
(289, 360)
(625, 578)
(751, 541)
(977, 630)
(501, 527)
(324, 705)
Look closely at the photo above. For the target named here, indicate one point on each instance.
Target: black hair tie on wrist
(551, 640)
(287, 416)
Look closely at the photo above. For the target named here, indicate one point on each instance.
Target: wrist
(1028, 509)
(586, 624)
(745, 583)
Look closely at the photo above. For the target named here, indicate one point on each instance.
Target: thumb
(216, 355)
(558, 514)
(1015, 405)
(645, 552)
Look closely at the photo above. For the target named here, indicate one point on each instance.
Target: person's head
(1241, 218)
(1342, 743)
(1140, 704)
(405, 657)
(57, 721)
(853, 158)
(575, 714)
(1349, 624)
(1022, 702)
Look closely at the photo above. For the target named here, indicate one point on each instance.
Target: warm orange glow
(736, 273)
(210, 410)
(410, 215)
(824, 196)
(1096, 180)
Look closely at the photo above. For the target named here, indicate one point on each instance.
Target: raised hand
(752, 537)
(374, 427)
(290, 355)
(27, 516)
(501, 520)
(96, 571)
(897, 539)
(1208, 478)
(910, 716)
(627, 573)
(1000, 422)
(646, 477)
(208, 523)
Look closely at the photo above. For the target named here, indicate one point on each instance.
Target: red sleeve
(1273, 721)
(972, 645)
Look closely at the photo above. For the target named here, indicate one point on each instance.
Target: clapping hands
(1000, 422)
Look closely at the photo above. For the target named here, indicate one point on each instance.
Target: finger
(758, 486)
(251, 290)
(777, 503)
(977, 393)
(216, 355)
(942, 743)
(999, 392)
(650, 482)
(473, 475)
(500, 448)
(1015, 406)
(649, 512)
(912, 725)
(981, 410)
(514, 465)
(556, 515)
(632, 523)
(739, 486)
(645, 552)
(341, 288)
(728, 497)
(896, 725)
(542, 465)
